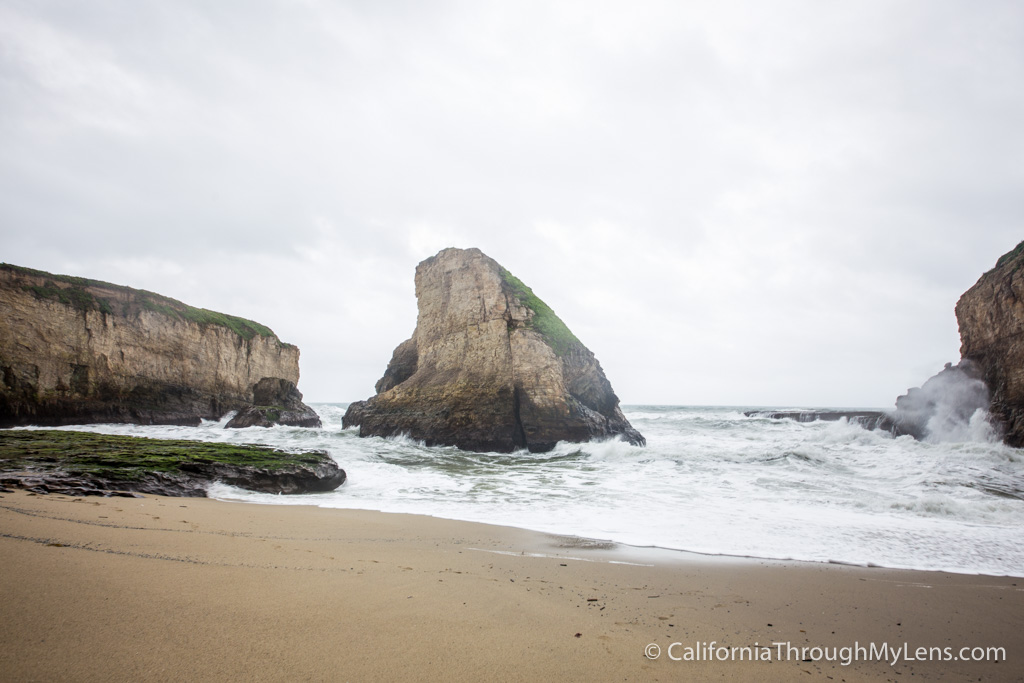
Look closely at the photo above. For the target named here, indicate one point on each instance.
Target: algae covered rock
(84, 463)
(490, 367)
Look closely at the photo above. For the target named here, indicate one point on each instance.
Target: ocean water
(710, 480)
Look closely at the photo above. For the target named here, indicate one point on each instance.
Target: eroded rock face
(991, 319)
(275, 401)
(75, 351)
(489, 368)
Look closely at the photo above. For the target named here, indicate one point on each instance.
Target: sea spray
(950, 406)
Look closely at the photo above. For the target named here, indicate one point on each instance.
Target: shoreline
(640, 550)
(904, 525)
(186, 588)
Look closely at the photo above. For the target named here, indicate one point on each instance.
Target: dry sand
(190, 589)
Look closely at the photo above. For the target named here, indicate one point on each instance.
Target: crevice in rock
(519, 437)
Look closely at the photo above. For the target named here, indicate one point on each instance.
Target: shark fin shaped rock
(490, 368)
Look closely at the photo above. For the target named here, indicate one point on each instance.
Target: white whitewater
(710, 480)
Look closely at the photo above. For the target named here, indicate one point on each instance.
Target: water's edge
(711, 482)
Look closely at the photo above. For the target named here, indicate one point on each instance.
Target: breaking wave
(710, 480)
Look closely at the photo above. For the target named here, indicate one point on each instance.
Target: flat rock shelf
(84, 463)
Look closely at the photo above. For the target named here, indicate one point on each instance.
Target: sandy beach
(153, 588)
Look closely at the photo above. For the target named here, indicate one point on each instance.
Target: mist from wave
(710, 480)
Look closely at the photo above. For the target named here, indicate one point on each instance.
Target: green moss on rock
(77, 298)
(128, 458)
(550, 326)
(75, 292)
(1010, 255)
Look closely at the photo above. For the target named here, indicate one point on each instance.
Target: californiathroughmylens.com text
(701, 651)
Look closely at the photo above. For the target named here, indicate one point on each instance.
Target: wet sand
(117, 589)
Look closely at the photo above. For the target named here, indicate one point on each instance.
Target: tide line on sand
(198, 589)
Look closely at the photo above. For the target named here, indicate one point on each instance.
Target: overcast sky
(732, 203)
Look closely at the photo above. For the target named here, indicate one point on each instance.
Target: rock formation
(275, 401)
(74, 351)
(86, 464)
(991, 319)
(868, 419)
(490, 367)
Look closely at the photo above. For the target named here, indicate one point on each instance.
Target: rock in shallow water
(276, 401)
(490, 367)
(942, 409)
(868, 419)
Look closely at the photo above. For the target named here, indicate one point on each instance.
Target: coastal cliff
(490, 367)
(991, 319)
(75, 351)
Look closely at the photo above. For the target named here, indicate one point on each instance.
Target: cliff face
(489, 368)
(74, 351)
(991, 319)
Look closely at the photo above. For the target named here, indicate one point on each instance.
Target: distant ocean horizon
(710, 480)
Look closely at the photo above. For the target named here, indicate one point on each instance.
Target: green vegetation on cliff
(80, 294)
(73, 296)
(549, 325)
(129, 458)
(1010, 256)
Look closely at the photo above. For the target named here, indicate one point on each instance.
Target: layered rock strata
(991, 319)
(490, 367)
(75, 351)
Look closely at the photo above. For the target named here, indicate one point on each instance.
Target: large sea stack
(991, 319)
(490, 367)
(75, 351)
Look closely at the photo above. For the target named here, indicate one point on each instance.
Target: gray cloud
(728, 202)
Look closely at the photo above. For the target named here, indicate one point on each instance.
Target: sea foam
(710, 480)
